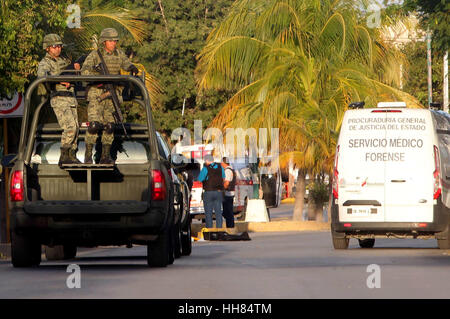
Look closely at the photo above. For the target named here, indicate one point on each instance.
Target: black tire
(443, 239)
(158, 250)
(339, 242)
(366, 243)
(176, 234)
(70, 251)
(25, 252)
(60, 252)
(186, 240)
(444, 243)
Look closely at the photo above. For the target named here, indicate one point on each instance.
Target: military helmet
(109, 34)
(52, 39)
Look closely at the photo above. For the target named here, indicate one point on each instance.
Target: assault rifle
(110, 93)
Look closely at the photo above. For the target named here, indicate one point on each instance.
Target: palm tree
(97, 16)
(296, 66)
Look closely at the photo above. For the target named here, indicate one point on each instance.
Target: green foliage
(318, 191)
(173, 42)
(297, 65)
(434, 15)
(23, 24)
(416, 82)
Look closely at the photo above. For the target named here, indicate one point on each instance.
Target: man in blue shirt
(212, 176)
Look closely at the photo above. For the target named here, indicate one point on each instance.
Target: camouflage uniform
(62, 100)
(100, 114)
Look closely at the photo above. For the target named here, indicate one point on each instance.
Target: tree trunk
(318, 211)
(311, 210)
(299, 196)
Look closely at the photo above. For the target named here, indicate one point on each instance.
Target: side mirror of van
(8, 160)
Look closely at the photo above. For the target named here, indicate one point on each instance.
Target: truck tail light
(16, 190)
(158, 185)
(336, 175)
(437, 174)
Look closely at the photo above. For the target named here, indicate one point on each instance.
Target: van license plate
(361, 211)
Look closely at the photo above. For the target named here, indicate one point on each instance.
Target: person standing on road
(100, 110)
(212, 176)
(62, 98)
(228, 198)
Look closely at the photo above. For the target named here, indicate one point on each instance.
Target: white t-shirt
(229, 177)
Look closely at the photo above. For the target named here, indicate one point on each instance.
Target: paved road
(271, 265)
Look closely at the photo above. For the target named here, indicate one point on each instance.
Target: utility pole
(430, 79)
(445, 90)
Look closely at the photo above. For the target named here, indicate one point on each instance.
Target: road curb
(273, 226)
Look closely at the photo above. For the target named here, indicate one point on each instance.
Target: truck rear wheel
(339, 242)
(366, 243)
(158, 250)
(25, 252)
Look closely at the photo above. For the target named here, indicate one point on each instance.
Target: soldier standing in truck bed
(100, 111)
(62, 98)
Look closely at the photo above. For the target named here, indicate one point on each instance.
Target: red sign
(11, 107)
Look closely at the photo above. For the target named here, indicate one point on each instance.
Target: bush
(319, 192)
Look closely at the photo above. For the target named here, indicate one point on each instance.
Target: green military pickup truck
(138, 200)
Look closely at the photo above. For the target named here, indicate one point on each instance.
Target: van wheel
(186, 240)
(25, 252)
(60, 252)
(366, 243)
(443, 239)
(158, 250)
(339, 242)
(444, 243)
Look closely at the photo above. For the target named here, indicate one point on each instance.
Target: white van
(391, 175)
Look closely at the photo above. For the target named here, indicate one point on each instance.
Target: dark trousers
(228, 210)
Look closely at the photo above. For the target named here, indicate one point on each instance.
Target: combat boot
(106, 155)
(88, 154)
(73, 156)
(64, 157)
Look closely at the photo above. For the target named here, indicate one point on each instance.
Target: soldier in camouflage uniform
(62, 99)
(100, 111)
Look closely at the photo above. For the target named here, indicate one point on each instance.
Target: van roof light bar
(356, 105)
(391, 104)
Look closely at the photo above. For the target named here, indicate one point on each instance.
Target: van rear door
(385, 166)
(361, 196)
(409, 180)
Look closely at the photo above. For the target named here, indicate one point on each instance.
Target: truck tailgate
(85, 207)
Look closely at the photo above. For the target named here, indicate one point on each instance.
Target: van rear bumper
(388, 227)
(441, 218)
